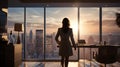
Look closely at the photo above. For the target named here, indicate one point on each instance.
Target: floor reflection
(81, 63)
(47, 64)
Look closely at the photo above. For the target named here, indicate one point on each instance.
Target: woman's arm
(72, 39)
(56, 37)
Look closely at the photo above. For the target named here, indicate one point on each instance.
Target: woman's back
(65, 36)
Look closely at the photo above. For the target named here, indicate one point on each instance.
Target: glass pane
(89, 31)
(34, 47)
(16, 15)
(111, 32)
(54, 18)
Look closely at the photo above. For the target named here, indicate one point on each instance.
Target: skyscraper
(91, 40)
(30, 45)
(39, 43)
(31, 35)
(55, 48)
(49, 50)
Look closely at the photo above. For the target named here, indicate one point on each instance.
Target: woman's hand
(59, 42)
(74, 47)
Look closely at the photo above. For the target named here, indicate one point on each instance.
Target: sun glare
(82, 28)
(74, 27)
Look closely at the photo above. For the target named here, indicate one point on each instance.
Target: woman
(65, 49)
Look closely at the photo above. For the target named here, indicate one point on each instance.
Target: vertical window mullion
(44, 31)
(100, 21)
(24, 32)
(78, 31)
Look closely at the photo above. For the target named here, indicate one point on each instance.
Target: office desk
(99, 47)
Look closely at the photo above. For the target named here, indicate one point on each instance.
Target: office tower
(30, 47)
(110, 39)
(31, 35)
(22, 41)
(49, 45)
(91, 40)
(22, 38)
(39, 43)
(55, 48)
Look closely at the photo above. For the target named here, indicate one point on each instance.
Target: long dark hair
(65, 25)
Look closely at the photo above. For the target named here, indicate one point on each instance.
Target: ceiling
(70, 1)
(62, 3)
(4, 3)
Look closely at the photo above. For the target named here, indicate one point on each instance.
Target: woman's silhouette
(65, 49)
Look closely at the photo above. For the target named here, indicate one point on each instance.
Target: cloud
(10, 24)
(35, 19)
(35, 16)
(35, 11)
(53, 20)
(35, 25)
(56, 12)
(92, 22)
(53, 26)
(110, 13)
(109, 23)
(15, 15)
(16, 10)
(109, 26)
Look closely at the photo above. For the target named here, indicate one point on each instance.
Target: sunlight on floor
(71, 64)
(47, 64)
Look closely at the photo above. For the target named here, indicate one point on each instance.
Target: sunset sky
(89, 19)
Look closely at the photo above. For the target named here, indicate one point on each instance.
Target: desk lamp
(18, 27)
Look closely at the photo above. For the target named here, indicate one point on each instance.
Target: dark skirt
(65, 50)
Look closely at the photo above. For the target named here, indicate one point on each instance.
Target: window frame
(78, 6)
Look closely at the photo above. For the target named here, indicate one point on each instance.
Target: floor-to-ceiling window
(34, 39)
(54, 17)
(110, 31)
(37, 30)
(88, 30)
(89, 24)
(16, 15)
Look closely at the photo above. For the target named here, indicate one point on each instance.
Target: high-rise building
(111, 39)
(30, 46)
(90, 40)
(22, 41)
(39, 43)
(31, 35)
(55, 48)
(49, 45)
